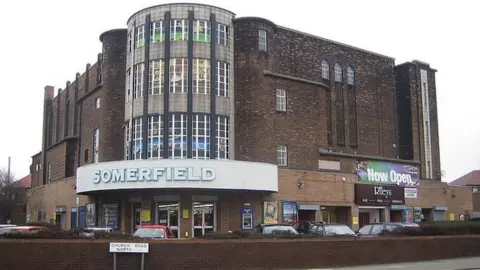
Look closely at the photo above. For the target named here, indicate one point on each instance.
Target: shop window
(201, 31)
(155, 137)
(156, 77)
(177, 129)
(178, 30)
(201, 137)
(201, 76)
(178, 75)
(222, 137)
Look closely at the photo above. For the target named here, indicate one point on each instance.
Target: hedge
(71, 234)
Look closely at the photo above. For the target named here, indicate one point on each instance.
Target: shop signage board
(411, 193)
(379, 195)
(387, 173)
(129, 247)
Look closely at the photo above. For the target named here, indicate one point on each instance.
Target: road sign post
(141, 248)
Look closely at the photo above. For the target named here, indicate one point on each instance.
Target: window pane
(178, 75)
(222, 137)
(201, 137)
(201, 76)
(177, 141)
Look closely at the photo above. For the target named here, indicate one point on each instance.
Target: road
(454, 264)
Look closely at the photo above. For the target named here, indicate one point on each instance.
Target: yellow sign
(185, 213)
(145, 215)
(355, 220)
(451, 216)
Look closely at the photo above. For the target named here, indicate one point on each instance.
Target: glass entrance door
(203, 218)
(137, 212)
(168, 215)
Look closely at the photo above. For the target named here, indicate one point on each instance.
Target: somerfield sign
(153, 174)
(387, 173)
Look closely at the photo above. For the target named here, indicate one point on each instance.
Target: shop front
(192, 197)
(375, 201)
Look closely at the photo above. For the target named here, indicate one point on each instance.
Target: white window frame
(140, 36)
(183, 25)
(179, 74)
(97, 103)
(223, 79)
(282, 155)
(127, 139)
(201, 136)
(201, 80)
(156, 77)
(350, 76)
(155, 133)
(138, 80)
(207, 33)
(222, 34)
(137, 141)
(222, 137)
(96, 144)
(325, 70)
(177, 133)
(128, 84)
(262, 40)
(130, 41)
(281, 98)
(154, 28)
(338, 72)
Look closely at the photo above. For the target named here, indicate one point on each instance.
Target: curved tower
(179, 99)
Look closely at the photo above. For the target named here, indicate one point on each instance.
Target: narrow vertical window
(222, 137)
(137, 138)
(325, 70)
(140, 37)
(130, 41)
(201, 31)
(201, 137)
(49, 172)
(155, 137)
(338, 73)
(178, 30)
(96, 143)
(178, 75)
(156, 77)
(97, 103)
(138, 81)
(222, 79)
(282, 155)
(201, 76)
(350, 76)
(177, 128)
(262, 40)
(127, 140)
(157, 32)
(281, 100)
(222, 34)
(128, 84)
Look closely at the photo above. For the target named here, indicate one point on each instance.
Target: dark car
(304, 225)
(275, 228)
(386, 228)
(331, 230)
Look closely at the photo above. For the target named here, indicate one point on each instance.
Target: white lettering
(380, 191)
(376, 176)
(154, 174)
(401, 178)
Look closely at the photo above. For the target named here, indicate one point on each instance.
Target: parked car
(89, 232)
(385, 228)
(331, 230)
(21, 229)
(304, 225)
(7, 225)
(154, 232)
(275, 228)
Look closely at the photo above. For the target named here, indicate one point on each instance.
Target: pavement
(452, 264)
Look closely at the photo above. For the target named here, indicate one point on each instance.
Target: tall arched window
(350, 76)
(338, 73)
(325, 70)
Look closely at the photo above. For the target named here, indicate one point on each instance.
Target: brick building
(206, 122)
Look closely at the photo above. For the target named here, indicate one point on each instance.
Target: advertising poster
(289, 212)
(417, 214)
(387, 173)
(270, 212)
(91, 215)
(408, 215)
(110, 216)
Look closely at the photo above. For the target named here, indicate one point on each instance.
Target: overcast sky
(46, 42)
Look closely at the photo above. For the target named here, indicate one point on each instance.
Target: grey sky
(47, 42)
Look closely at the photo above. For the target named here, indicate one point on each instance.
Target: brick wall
(227, 254)
(476, 202)
(312, 109)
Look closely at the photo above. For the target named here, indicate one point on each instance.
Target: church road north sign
(187, 173)
(387, 173)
